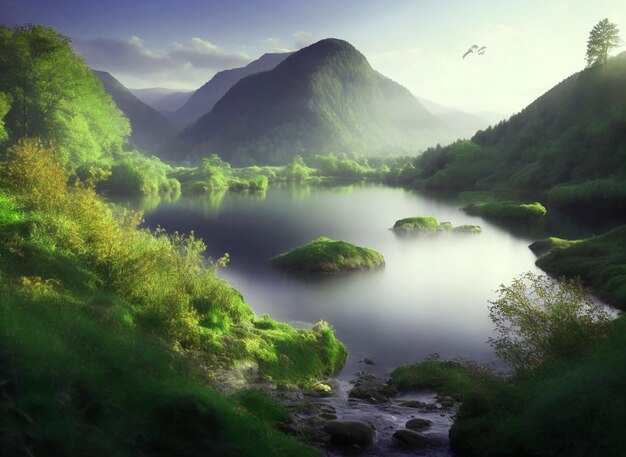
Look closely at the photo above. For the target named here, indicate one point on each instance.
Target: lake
(431, 297)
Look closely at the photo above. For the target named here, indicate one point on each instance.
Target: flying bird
(474, 48)
(470, 50)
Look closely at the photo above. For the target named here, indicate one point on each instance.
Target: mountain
(203, 99)
(163, 100)
(569, 145)
(325, 97)
(462, 124)
(150, 129)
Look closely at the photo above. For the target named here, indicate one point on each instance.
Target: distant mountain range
(203, 99)
(166, 101)
(151, 130)
(323, 98)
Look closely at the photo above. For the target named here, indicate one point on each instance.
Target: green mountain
(325, 97)
(150, 129)
(203, 99)
(569, 145)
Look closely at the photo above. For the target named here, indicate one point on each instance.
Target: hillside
(569, 144)
(325, 97)
(165, 101)
(150, 129)
(203, 99)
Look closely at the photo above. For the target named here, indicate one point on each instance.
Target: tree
(539, 319)
(55, 97)
(603, 37)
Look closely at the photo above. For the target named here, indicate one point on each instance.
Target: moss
(450, 378)
(467, 228)
(419, 224)
(429, 224)
(600, 262)
(324, 255)
(507, 211)
(542, 247)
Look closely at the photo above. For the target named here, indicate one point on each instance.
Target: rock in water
(410, 439)
(418, 424)
(348, 433)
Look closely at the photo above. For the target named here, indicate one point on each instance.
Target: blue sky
(531, 44)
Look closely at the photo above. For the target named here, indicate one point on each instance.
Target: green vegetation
(447, 377)
(429, 224)
(324, 255)
(325, 97)
(542, 247)
(570, 401)
(568, 145)
(54, 96)
(539, 320)
(507, 211)
(422, 224)
(599, 261)
(604, 37)
(468, 228)
(107, 331)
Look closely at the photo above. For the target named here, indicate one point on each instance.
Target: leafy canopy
(604, 36)
(55, 97)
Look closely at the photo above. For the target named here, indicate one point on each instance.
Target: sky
(180, 44)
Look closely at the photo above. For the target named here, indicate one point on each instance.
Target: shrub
(539, 319)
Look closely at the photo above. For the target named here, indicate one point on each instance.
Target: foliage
(324, 255)
(325, 97)
(539, 320)
(56, 97)
(505, 210)
(600, 261)
(133, 173)
(168, 288)
(5, 106)
(604, 37)
(568, 144)
(447, 377)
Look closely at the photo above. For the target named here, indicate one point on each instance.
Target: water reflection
(431, 297)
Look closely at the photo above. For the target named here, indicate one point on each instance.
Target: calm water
(432, 296)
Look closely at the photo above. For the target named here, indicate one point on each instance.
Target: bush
(539, 320)
(507, 211)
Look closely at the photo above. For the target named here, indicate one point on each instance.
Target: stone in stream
(410, 439)
(349, 433)
(367, 361)
(373, 389)
(418, 424)
(413, 404)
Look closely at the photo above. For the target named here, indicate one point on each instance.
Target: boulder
(418, 424)
(349, 433)
(410, 439)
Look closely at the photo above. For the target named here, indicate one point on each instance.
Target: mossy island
(324, 255)
(429, 224)
(507, 211)
(547, 245)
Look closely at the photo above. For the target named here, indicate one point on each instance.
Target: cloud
(204, 54)
(133, 60)
(302, 39)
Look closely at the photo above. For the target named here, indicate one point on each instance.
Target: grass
(542, 247)
(507, 211)
(324, 255)
(108, 332)
(600, 262)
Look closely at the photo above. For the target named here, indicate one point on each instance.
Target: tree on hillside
(603, 37)
(55, 97)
